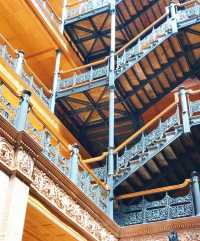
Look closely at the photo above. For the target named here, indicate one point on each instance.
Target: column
(111, 110)
(22, 112)
(19, 63)
(172, 15)
(196, 192)
(12, 220)
(57, 62)
(185, 110)
(55, 79)
(74, 166)
(4, 181)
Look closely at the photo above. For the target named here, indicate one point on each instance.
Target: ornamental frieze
(43, 184)
(68, 206)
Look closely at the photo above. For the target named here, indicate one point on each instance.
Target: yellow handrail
(54, 12)
(128, 44)
(154, 191)
(14, 51)
(136, 134)
(90, 171)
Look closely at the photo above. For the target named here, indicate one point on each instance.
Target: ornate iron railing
(146, 211)
(26, 74)
(148, 146)
(131, 53)
(53, 150)
(7, 110)
(89, 6)
(93, 191)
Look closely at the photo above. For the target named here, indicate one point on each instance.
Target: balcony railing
(152, 138)
(84, 7)
(18, 111)
(15, 60)
(170, 206)
(96, 74)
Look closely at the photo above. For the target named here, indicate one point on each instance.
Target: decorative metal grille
(93, 191)
(132, 54)
(7, 110)
(152, 211)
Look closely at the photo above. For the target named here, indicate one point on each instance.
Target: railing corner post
(55, 80)
(185, 110)
(19, 62)
(22, 112)
(172, 14)
(196, 192)
(74, 164)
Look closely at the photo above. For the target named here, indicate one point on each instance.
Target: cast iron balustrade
(84, 9)
(97, 75)
(53, 151)
(147, 147)
(7, 110)
(145, 211)
(153, 137)
(92, 190)
(195, 112)
(26, 74)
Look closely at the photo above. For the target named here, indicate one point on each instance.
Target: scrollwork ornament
(68, 206)
(6, 152)
(24, 162)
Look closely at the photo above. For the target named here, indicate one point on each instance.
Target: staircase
(154, 137)
(96, 74)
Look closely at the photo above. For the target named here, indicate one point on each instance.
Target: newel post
(184, 110)
(74, 166)
(196, 192)
(19, 63)
(172, 15)
(22, 112)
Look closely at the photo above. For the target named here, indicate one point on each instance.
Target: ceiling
(41, 225)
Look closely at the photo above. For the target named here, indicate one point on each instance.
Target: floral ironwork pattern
(151, 211)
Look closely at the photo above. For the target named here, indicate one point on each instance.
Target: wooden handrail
(36, 78)
(54, 12)
(136, 134)
(126, 45)
(75, 3)
(193, 92)
(8, 44)
(85, 66)
(116, 53)
(90, 171)
(154, 191)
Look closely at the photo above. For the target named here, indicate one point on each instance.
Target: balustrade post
(74, 166)
(19, 63)
(172, 14)
(57, 62)
(22, 112)
(196, 192)
(55, 79)
(173, 236)
(64, 11)
(185, 110)
(111, 110)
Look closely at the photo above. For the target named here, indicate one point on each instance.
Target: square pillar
(4, 182)
(12, 220)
